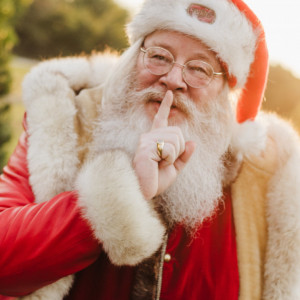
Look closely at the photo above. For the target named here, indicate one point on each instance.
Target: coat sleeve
(39, 243)
(43, 242)
(55, 214)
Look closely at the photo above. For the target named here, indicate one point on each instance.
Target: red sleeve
(39, 243)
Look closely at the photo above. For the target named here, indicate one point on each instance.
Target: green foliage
(7, 40)
(9, 9)
(67, 27)
(5, 132)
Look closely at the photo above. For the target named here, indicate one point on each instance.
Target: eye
(159, 56)
(160, 59)
(199, 68)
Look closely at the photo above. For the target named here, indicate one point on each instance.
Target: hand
(157, 173)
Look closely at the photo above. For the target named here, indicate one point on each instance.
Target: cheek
(205, 95)
(144, 78)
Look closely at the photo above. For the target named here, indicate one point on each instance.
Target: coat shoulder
(268, 142)
(56, 77)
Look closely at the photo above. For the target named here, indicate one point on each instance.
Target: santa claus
(150, 175)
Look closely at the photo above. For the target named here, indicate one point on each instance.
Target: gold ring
(160, 147)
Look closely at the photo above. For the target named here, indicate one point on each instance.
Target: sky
(281, 21)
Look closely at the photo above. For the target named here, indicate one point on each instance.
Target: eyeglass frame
(144, 50)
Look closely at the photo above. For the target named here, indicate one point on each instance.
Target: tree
(7, 39)
(9, 9)
(68, 27)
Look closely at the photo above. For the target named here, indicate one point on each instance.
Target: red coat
(56, 233)
(41, 243)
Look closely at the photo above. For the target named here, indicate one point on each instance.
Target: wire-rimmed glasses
(196, 73)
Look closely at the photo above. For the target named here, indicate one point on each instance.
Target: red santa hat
(227, 27)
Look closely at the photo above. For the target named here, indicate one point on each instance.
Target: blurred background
(34, 30)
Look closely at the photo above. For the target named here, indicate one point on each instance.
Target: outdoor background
(33, 30)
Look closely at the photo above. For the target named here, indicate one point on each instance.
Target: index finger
(161, 117)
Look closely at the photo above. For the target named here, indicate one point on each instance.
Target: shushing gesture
(157, 170)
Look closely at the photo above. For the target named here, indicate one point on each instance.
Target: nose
(173, 80)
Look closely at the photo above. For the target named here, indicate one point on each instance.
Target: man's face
(183, 48)
(204, 115)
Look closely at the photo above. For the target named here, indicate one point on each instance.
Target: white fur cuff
(122, 220)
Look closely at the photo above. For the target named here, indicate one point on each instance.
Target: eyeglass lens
(160, 61)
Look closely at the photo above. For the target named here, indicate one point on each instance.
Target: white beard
(198, 189)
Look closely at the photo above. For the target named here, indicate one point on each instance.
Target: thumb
(182, 160)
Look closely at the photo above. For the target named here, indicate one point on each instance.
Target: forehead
(181, 44)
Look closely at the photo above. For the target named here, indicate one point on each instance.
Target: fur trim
(54, 291)
(282, 268)
(279, 163)
(121, 218)
(80, 72)
(231, 36)
(49, 96)
(249, 138)
(52, 135)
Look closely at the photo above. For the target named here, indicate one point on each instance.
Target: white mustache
(181, 102)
